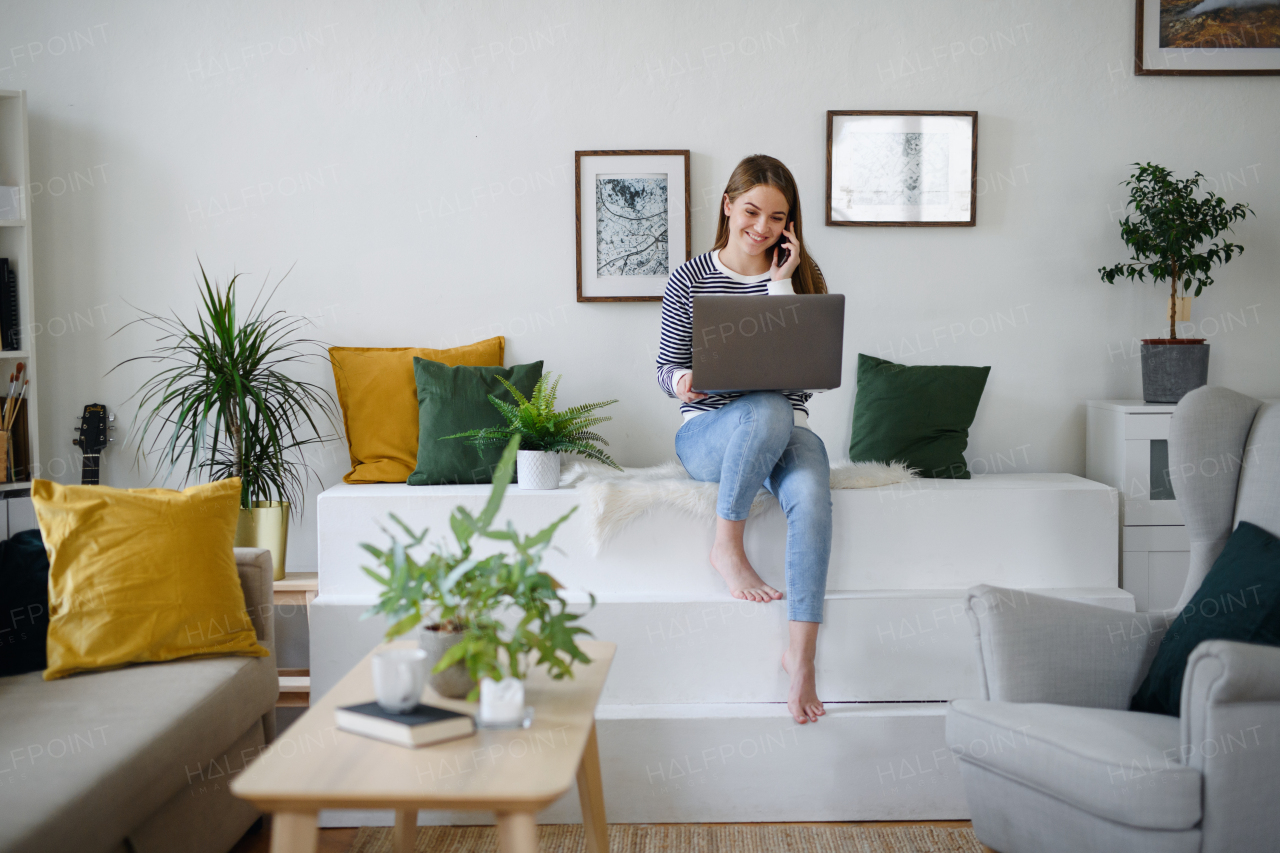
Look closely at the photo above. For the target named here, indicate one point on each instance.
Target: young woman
(762, 438)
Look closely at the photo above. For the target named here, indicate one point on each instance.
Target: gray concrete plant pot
(1172, 367)
(454, 682)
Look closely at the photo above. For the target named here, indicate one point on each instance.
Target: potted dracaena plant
(482, 617)
(544, 433)
(222, 406)
(1173, 236)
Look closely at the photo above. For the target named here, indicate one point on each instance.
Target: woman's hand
(683, 390)
(788, 268)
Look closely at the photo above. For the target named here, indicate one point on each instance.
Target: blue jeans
(753, 442)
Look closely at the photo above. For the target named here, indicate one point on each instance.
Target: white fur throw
(614, 498)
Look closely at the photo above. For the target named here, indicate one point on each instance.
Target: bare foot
(743, 581)
(802, 698)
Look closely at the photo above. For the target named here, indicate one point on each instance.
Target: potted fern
(544, 433)
(1165, 233)
(461, 600)
(223, 406)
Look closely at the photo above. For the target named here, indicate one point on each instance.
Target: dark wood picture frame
(577, 215)
(973, 168)
(1139, 70)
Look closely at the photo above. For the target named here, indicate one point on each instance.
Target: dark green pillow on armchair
(1239, 599)
(919, 415)
(456, 399)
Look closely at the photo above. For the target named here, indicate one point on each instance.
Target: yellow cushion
(141, 575)
(379, 401)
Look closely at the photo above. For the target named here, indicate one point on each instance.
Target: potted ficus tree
(482, 617)
(544, 433)
(223, 406)
(1173, 236)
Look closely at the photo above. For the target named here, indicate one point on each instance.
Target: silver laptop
(767, 343)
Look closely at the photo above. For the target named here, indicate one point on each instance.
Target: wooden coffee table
(513, 773)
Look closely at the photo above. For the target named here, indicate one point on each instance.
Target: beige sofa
(139, 759)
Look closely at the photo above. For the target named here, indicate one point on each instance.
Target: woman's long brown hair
(762, 169)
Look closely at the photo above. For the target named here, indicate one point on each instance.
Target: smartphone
(783, 245)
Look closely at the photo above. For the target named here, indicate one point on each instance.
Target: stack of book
(10, 322)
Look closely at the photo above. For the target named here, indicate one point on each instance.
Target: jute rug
(685, 838)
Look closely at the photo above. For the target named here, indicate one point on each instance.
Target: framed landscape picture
(1207, 38)
(632, 218)
(901, 168)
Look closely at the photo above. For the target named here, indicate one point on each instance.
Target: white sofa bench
(695, 703)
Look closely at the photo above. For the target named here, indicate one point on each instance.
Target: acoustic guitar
(92, 440)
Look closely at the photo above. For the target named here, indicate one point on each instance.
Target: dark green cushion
(1239, 599)
(919, 415)
(453, 400)
(24, 603)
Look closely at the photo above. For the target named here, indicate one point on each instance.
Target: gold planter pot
(266, 526)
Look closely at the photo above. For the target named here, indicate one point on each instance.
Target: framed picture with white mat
(902, 167)
(632, 221)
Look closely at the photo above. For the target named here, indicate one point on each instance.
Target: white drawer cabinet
(1127, 447)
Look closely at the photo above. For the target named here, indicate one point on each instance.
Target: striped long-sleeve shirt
(701, 276)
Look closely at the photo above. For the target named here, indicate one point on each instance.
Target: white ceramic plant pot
(537, 469)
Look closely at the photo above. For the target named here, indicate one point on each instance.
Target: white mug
(398, 676)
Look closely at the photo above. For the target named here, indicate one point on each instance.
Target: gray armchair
(1052, 760)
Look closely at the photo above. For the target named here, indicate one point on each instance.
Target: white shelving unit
(1127, 446)
(15, 244)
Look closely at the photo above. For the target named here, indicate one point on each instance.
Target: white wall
(424, 127)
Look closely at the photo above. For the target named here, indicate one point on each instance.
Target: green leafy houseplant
(223, 406)
(1166, 230)
(539, 426)
(468, 593)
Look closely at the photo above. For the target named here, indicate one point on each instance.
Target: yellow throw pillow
(379, 401)
(141, 575)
